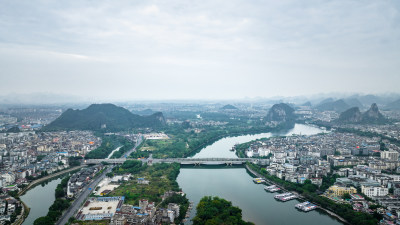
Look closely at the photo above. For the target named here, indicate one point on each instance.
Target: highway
(139, 141)
(76, 204)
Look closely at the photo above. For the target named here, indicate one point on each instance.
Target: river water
(233, 184)
(220, 148)
(39, 199)
(236, 185)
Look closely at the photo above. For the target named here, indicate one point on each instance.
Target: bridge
(210, 161)
(185, 161)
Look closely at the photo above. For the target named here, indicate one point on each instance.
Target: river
(236, 185)
(220, 148)
(39, 199)
(117, 149)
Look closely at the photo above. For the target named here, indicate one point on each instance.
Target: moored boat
(272, 188)
(306, 206)
(285, 196)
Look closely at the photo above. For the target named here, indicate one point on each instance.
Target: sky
(200, 49)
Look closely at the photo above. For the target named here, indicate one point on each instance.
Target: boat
(285, 196)
(306, 206)
(258, 180)
(272, 188)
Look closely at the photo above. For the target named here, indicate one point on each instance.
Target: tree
(44, 220)
(40, 157)
(59, 192)
(74, 161)
(346, 196)
(110, 174)
(214, 210)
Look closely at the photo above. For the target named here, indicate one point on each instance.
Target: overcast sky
(199, 49)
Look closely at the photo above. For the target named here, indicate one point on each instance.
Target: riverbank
(39, 199)
(211, 141)
(38, 181)
(301, 196)
(25, 209)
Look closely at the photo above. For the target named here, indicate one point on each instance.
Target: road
(81, 198)
(83, 195)
(139, 141)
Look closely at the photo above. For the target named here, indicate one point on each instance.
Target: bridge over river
(185, 161)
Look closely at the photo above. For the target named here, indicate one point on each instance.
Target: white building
(278, 160)
(171, 215)
(264, 151)
(289, 168)
(391, 155)
(9, 178)
(371, 191)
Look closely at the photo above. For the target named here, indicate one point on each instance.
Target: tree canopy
(215, 210)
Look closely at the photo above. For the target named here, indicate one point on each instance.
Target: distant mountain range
(229, 106)
(338, 106)
(393, 105)
(107, 117)
(354, 102)
(354, 115)
(280, 113)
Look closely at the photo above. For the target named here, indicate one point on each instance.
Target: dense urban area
(119, 164)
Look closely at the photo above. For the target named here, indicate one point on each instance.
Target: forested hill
(107, 117)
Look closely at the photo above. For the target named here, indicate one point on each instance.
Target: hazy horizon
(215, 50)
(59, 99)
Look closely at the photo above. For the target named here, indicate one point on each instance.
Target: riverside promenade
(300, 196)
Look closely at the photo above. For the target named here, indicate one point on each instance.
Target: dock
(306, 206)
(272, 188)
(259, 180)
(285, 196)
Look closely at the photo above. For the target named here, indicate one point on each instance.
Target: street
(83, 195)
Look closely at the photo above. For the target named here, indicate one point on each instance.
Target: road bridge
(185, 161)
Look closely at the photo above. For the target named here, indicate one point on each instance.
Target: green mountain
(372, 115)
(107, 117)
(353, 115)
(281, 113)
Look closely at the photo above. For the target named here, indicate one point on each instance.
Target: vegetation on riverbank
(309, 191)
(185, 142)
(126, 146)
(59, 205)
(162, 178)
(108, 144)
(214, 210)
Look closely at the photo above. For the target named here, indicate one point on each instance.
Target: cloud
(244, 48)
